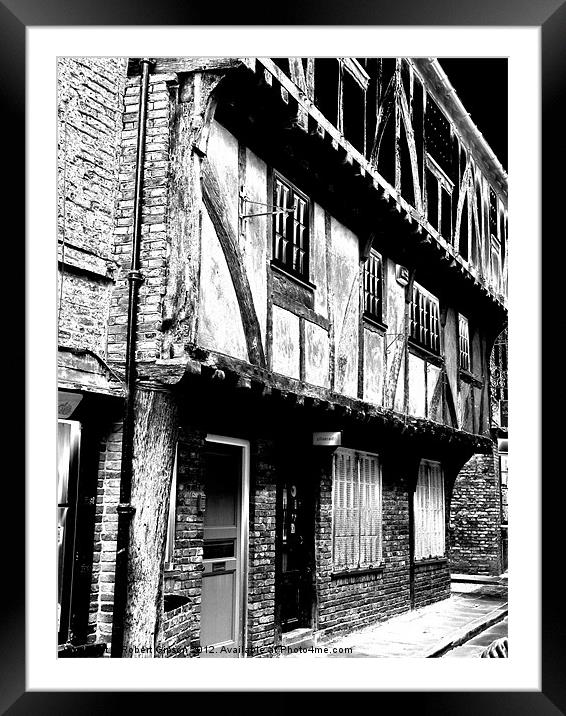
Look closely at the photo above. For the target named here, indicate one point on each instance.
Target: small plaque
(327, 439)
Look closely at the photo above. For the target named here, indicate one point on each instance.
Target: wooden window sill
(358, 571)
(425, 353)
(469, 377)
(371, 322)
(430, 560)
(305, 283)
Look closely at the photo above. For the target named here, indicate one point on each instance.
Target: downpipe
(135, 278)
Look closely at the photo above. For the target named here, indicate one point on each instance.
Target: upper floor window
(464, 342)
(439, 198)
(290, 228)
(373, 287)
(424, 319)
(357, 518)
(495, 263)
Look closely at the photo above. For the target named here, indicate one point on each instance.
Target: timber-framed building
(281, 281)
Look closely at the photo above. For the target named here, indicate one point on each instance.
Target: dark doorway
(296, 543)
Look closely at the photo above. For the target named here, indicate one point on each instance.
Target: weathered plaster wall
(286, 351)
(434, 392)
(374, 366)
(417, 389)
(319, 262)
(395, 346)
(316, 355)
(344, 273)
(220, 325)
(451, 352)
(253, 239)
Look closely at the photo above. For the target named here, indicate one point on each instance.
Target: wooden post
(154, 440)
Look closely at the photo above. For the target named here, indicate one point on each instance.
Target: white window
(68, 459)
(356, 499)
(464, 342)
(495, 263)
(429, 511)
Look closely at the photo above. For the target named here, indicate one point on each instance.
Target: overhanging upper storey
(399, 127)
(400, 120)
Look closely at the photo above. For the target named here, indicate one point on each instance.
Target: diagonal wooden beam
(217, 208)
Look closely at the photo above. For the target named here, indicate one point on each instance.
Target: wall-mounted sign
(67, 402)
(327, 439)
(402, 275)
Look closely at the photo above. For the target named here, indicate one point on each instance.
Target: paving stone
(417, 633)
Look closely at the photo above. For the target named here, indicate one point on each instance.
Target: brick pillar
(105, 531)
(261, 576)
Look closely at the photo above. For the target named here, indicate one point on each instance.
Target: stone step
(298, 637)
(478, 578)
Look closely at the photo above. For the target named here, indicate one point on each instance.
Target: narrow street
(475, 646)
(461, 626)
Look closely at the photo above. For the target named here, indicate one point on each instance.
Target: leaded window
(290, 228)
(373, 286)
(424, 319)
(464, 342)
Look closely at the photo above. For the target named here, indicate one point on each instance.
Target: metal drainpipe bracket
(126, 509)
(135, 275)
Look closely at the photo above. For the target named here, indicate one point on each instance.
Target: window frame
(287, 267)
(377, 507)
(375, 255)
(424, 344)
(445, 184)
(464, 353)
(425, 547)
(495, 262)
(171, 534)
(68, 477)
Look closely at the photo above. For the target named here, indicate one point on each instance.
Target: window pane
(290, 228)
(424, 326)
(372, 282)
(464, 342)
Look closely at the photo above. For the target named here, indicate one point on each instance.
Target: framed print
(229, 556)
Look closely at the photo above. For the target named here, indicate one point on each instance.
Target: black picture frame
(15, 17)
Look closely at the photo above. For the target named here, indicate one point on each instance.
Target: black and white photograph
(282, 318)
(282, 357)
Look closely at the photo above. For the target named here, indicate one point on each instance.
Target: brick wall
(154, 246)
(105, 534)
(180, 628)
(475, 518)
(432, 582)
(353, 601)
(90, 102)
(261, 578)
